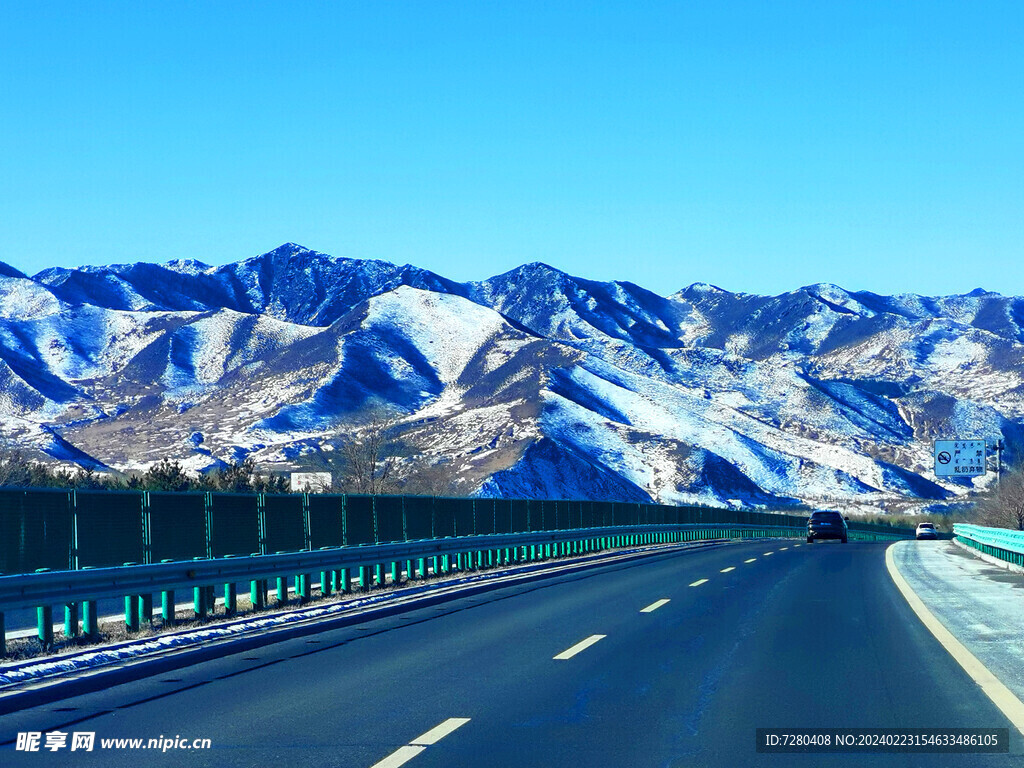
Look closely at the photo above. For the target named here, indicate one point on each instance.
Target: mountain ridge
(527, 382)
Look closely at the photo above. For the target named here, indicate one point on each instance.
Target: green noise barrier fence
(69, 530)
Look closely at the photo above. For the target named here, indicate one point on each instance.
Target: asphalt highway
(671, 661)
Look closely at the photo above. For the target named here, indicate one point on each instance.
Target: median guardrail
(1002, 543)
(72, 529)
(340, 569)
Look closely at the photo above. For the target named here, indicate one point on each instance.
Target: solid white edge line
(992, 686)
(654, 606)
(438, 732)
(400, 756)
(699, 582)
(582, 645)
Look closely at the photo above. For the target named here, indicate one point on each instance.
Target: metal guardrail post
(131, 613)
(167, 607)
(396, 572)
(90, 620)
(344, 580)
(230, 598)
(199, 602)
(326, 578)
(258, 594)
(44, 625)
(282, 590)
(145, 608)
(364, 578)
(71, 620)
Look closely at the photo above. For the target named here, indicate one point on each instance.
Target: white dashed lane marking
(402, 755)
(699, 582)
(654, 606)
(438, 732)
(582, 645)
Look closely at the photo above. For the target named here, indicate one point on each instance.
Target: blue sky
(759, 146)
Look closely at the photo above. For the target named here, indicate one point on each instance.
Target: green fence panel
(623, 513)
(520, 515)
(390, 520)
(109, 528)
(502, 515)
(559, 519)
(444, 518)
(326, 520)
(540, 510)
(177, 525)
(465, 525)
(587, 514)
(359, 527)
(285, 524)
(35, 531)
(483, 515)
(556, 515)
(419, 517)
(574, 514)
(601, 513)
(234, 524)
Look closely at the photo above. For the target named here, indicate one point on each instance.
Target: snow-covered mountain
(531, 383)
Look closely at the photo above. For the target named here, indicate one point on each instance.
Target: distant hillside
(530, 383)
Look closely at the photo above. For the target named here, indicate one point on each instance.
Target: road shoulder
(973, 609)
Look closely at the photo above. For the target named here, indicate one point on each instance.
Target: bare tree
(15, 468)
(1004, 508)
(364, 461)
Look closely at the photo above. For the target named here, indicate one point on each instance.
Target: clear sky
(759, 146)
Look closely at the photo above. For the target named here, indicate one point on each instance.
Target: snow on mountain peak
(524, 378)
(447, 330)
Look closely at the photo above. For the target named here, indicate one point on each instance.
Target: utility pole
(999, 461)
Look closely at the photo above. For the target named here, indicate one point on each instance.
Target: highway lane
(684, 682)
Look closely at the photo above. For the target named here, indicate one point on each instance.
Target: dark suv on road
(826, 525)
